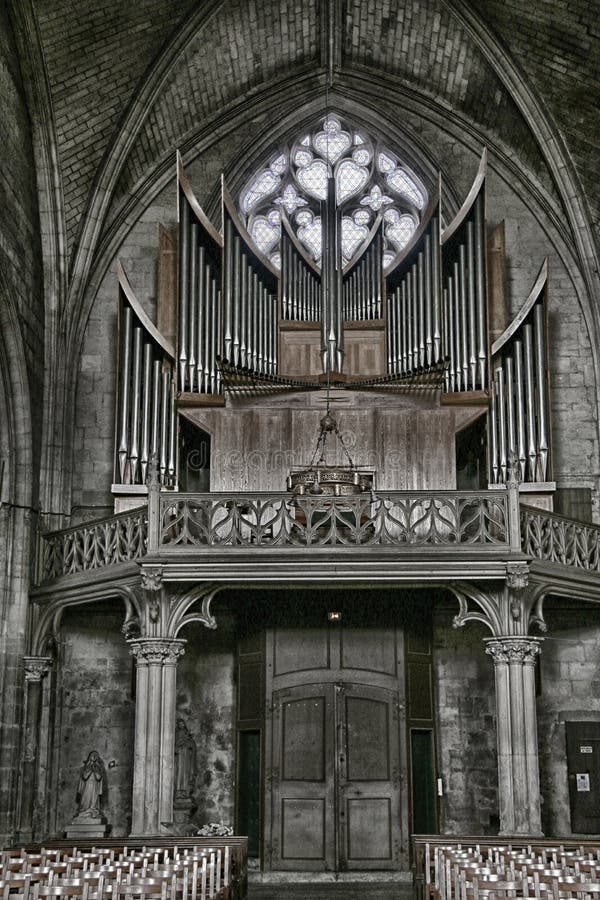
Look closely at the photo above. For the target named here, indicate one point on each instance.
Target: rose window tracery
(370, 180)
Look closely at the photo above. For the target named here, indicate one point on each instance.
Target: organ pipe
(519, 421)
(250, 283)
(362, 280)
(412, 286)
(146, 420)
(200, 263)
(464, 284)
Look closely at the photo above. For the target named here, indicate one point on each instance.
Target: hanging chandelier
(321, 479)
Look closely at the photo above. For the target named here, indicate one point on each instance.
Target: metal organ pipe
(435, 289)
(457, 329)
(143, 357)
(184, 251)
(482, 350)
(228, 291)
(520, 407)
(243, 307)
(146, 410)
(501, 412)
(235, 332)
(522, 421)
(530, 401)
(203, 324)
(540, 368)
(464, 334)
(471, 303)
(428, 288)
(136, 393)
(125, 367)
(190, 309)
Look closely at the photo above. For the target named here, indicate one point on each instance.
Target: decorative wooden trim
(188, 400)
(534, 295)
(203, 219)
(142, 316)
(465, 209)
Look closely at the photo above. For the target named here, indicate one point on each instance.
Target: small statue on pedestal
(91, 787)
(90, 790)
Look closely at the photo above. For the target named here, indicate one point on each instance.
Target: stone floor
(365, 886)
(345, 891)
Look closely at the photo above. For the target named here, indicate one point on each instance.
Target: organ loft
(299, 478)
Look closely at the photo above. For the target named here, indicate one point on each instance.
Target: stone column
(36, 668)
(154, 742)
(518, 771)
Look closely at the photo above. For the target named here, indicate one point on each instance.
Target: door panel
(303, 824)
(303, 833)
(372, 651)
(303, 739)
(369, 831)
(300, 651)
(367, 739)
(369, 778)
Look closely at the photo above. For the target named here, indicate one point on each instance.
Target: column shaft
(36, 667)
(154, 733)
(518, 778)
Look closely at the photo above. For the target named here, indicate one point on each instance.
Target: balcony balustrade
(469, 524)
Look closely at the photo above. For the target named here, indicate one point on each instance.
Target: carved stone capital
(157, 651)
(522, 650)
(517, 575)
(37, 667)
(152, 578)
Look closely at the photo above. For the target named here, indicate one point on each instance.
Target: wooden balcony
(414, 537)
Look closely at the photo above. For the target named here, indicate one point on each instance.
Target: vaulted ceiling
(129, 82)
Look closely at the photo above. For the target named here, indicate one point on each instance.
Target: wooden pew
(238, 850)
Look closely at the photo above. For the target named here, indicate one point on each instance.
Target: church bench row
(446, 868)
(196, 863)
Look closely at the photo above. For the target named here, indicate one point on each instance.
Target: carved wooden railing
(93, 545)
(427, 518)
(554, 538)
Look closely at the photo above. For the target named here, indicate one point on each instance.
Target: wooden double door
(334, 748)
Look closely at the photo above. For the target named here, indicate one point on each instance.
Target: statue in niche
(185, 761)
(91, 787)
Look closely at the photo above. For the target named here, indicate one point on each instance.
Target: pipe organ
(426, 313)
(250, 299)
(464, 293)
(519, 416)
(199, 300)
(362, 280)
(413, 290)
(145, 410)
(300, 280)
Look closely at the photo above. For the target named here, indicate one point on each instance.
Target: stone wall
(21, 388)
(96, 708)
(466, 728)
(206, 702)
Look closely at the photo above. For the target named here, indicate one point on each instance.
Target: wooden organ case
(404, 350)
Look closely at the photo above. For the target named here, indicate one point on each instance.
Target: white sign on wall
(583, 781)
